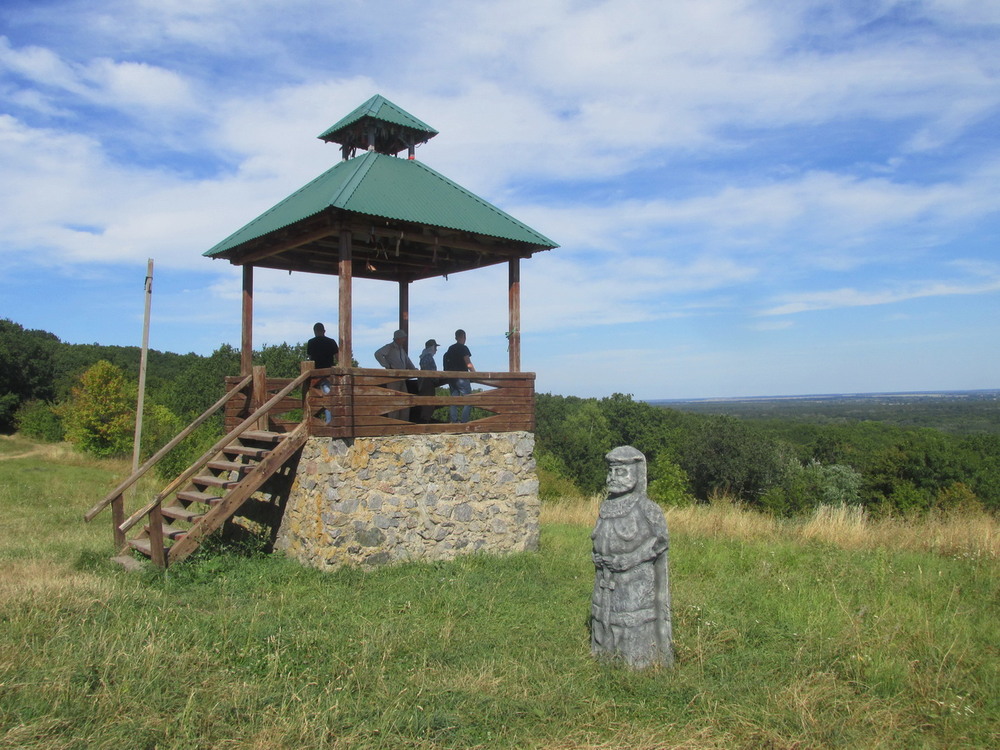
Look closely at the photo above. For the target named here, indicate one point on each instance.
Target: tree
(281, 360)
(100, 416)
(200, 383)
(26, 369)
(724, 454)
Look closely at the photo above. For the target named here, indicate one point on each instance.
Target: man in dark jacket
(320, 349)
(459, 358)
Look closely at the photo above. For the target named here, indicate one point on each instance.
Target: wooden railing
(356, 402)
(116, 498)
(251, 422)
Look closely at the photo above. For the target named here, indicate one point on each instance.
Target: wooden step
(246, 450)
(229, 466)
(181, 513)
(141, 545)
(194, 496)
(263, 436)
(170, 532)
(207, 480)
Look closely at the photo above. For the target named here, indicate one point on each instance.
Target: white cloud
(842, 298)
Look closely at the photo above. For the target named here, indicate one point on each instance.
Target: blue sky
(751, 198)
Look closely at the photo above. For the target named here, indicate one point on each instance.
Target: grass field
(830, 632)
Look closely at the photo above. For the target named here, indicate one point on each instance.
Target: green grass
(780, 643)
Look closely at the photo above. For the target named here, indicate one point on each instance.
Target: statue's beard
(617, 489)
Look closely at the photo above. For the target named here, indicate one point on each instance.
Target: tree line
(50, 390)
(87, 393)
(777, 466)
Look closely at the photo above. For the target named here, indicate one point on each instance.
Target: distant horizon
(845, 395)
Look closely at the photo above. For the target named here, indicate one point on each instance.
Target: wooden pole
(246, 347)
(404, 309)
(514, 311)
(344, 275)
(142, 367)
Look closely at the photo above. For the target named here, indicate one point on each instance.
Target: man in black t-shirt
(320, 349)
(458, 358)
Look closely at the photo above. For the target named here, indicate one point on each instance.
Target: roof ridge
(357, 177)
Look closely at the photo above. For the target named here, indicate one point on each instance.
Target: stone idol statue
(630, 608)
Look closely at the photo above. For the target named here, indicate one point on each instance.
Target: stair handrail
(155, 458)
(207, 456)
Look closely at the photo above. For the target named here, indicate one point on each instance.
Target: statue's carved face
(621, 478)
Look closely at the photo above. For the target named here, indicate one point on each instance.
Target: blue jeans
(460, 387)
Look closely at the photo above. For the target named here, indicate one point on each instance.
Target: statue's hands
(618, 563)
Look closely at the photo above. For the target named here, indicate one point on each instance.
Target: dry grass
(970, 534)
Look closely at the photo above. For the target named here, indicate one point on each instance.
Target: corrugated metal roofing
(376, 184)
(380, 108)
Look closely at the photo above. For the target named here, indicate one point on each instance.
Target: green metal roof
(379, 108)
(375, 184)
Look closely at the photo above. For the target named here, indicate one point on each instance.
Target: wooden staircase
(210, 491)
(185, 517)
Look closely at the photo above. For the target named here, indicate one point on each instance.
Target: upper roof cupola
(378, 125)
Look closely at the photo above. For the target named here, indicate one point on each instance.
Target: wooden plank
(246, 339)
(514, 314)
(197, 496)
(345, 303)
(155, 530)
(406, 400)
(181, 514)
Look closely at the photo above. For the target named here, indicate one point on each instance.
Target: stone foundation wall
(370, 501)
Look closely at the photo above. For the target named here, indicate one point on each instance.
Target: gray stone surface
(630, 606)
(371, 501)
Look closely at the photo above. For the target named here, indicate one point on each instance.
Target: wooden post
(246, 351)
(156, 550)
(404, 309)
(117, 519)
(259, 397)
(344, 274)
(143, 356)
(514, 311)
(307, 407)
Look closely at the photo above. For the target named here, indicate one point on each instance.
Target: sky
(751, 198)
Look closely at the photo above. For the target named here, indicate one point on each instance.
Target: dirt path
(41, 450)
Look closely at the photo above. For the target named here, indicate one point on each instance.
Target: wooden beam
(424, 236)
(514, 314)
(404, 310)
(285, 244)
(344, 298)
(246, 346)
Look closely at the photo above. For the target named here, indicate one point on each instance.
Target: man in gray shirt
(393, 356)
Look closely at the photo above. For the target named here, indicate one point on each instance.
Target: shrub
(553, 482)
(39, 421)
(669, 483)
(803, 487)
